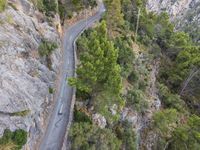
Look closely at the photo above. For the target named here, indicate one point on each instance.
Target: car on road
(60, 112)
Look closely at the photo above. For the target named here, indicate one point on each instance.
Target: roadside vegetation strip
(13, 140)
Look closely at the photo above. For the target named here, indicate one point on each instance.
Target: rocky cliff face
(24, 76)
(184, 13)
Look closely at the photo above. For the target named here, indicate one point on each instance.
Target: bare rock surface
(175, 8)
(184, 13)
(99, 120)
(24, 76)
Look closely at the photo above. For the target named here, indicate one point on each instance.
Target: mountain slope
(184, 13)
(26, 77)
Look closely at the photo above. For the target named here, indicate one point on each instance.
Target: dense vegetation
(87, 136)
(45, 50)
(98, 73)
(178, 78)
(67, 7)
(180, 58)
(106, 57)
(49, 7)
(13, 140)
(107, 60)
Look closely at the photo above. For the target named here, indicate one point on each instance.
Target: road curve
(56, 129)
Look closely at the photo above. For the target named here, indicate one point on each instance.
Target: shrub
(136, 99)
(51, 6)
(165, 122)
(133, 77)
(46, 6)
(125, 132)
(40, 5)
(187, 136)
(18, 138)
(170, 100)
(51, 90)
(85, 136)
(6, 137)
(82, 95)
(142, 85)
(46, 48)
(21, 113)
(125, 55)
(62, 11)
(81, 117)
(3, 4)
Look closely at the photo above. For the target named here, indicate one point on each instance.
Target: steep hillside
(184, 13)
(30, 60)
(137, 82)
(137, 79)
(26, 76)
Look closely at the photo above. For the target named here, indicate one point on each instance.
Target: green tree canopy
(165, 122)
(187, 136)
(126, 56)
(114, 15)
(85, 136)
(98, 69)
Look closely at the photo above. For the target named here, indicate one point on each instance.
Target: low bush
(125, 55)
(133, 77)
(21, 113)
(46, 48)
(17, 138)
(83, 96)
(39, 5)
(165, 121)
(49, 7)
(136, 100)
(81, 117)
(170, 100)
(126, 134)
(51, 90)
(20, 137)
(85, 136)
(3, 4)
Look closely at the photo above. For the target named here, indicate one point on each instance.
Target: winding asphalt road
(56, 130)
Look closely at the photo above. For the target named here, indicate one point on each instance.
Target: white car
(60, 112)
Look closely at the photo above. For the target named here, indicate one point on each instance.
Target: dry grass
(136, 48)
(9, 146)
(3, 4)
(21, 113)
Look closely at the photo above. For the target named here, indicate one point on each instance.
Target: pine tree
(98, 69)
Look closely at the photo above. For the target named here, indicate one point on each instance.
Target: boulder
(129, 115)
(99, 120)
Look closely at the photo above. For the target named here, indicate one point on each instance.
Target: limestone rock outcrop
(25, 78)
(184, 13)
